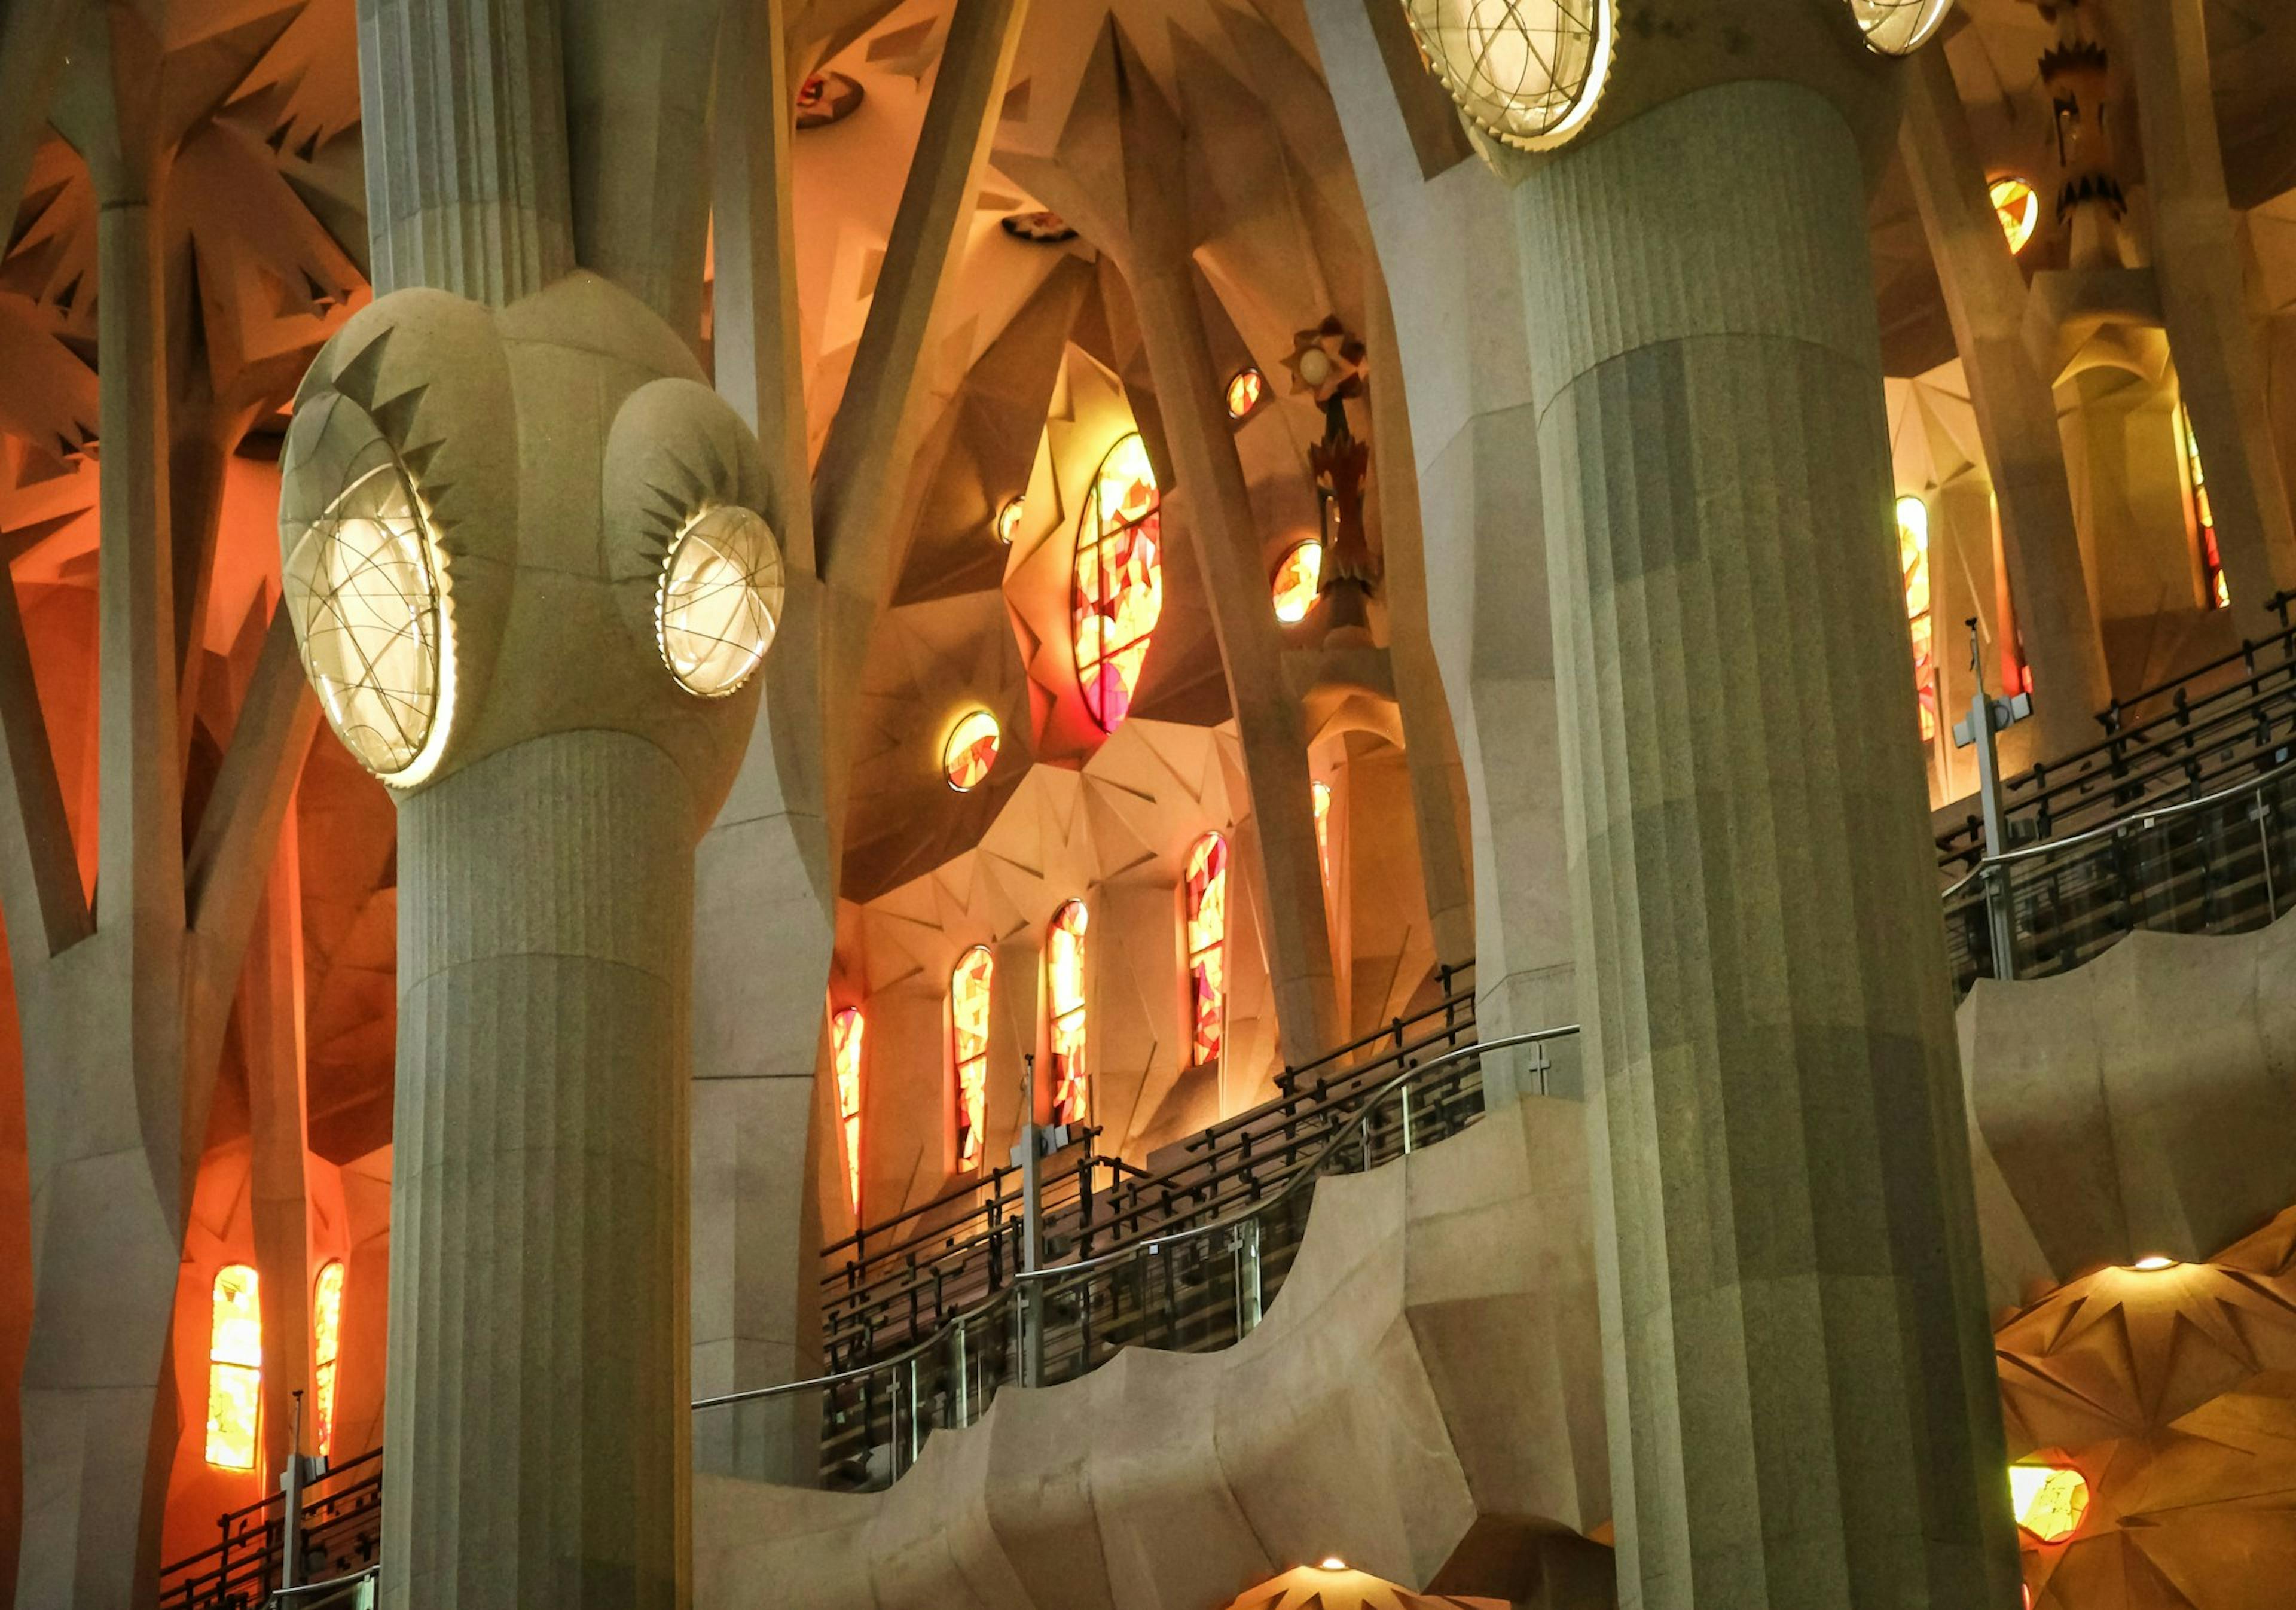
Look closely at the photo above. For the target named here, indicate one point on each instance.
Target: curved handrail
(1342, 1129)
(2048, 847)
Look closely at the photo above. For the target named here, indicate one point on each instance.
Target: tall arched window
(1065, 965)
(1321, 792)
(234, 1370)
(1119, 579)
(968, 1002)
(326, 1347)
(845, 1035)
(1207, 915)
(2216, 593)
(1914, 564)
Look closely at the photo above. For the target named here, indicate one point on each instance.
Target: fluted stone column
(1801, 1395)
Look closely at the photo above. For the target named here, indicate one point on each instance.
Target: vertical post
(1985, 719)
(1249, 1306)
(916, 1415)
(1404, 1092)
(290, 1482)
(960, 1392)
(1032, 1341)
(2264, 854)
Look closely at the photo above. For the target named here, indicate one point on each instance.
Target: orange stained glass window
(2214, 588)
(1119, 580)
(1296, 579)
(1064, 963)
(845, 1034)
(234, 1370)
(2020, 210)
(970, 751)
(326, 1346)
(1206, 914)
(968, 999)
(1322, 791)
(2050, 1500)
(1914, 563)
(1244, 390)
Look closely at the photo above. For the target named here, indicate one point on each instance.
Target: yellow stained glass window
(234, 1370)
(2020, 210)
(970, 751)
(1244, 390)
(326, 1347)
(1119, 594)
(1296, 579)
(1064, 963)
(2214, 588)
(1322, 793)
(968, 999)
(845, 1036)
(2050, 1500)
(1914, 564)
(1207, 921)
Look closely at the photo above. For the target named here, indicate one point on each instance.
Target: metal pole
(960, 1397)
(291, 1524)
(1985, 719)
(916, 1417)
(1406, 1093)
(2264, 850)
(1032, 1339)
(1248, 1303)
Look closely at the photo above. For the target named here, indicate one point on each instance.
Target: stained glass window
(845, 1035)
(1119, 580)
(2050, 1500)
(1207, 915)
(970, 751)
(1009, 515)
(1914, 565)
(2020, 210)
(1296, 579)
(234, 1370)
(1064, 963)
(968, 999)
(1244, 390)
(326, 1347)
(2214, 588)
(719, 601)
(1322, 792)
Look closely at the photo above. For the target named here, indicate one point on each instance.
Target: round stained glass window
(1899, 28)
(1296, 581)
(719, 601)
(970, 751)
(1118, 592)
(2020, 209)
(1009, 515)
(1528, 72)
(1244, 390)
(361, 586)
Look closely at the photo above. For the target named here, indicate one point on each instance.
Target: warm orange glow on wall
(1322, 793)
(845, 1035)
(234, 1370)
(1207, 924)
(1296, 581)
(2215, 591)
(326, 1347)
(2050, 1500)
(970, 751)
(968, 1002)
(1064, 966)
(1914, 565)
(1244, 390)
(1119, 594)
(2020, 210)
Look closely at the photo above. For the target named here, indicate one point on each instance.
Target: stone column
(1802, 1401)
(271, 1040)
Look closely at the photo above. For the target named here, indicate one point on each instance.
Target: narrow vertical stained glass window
(1322, 796)
(2214, 588)
(1119, 580)
(326, 1346)
(1064, 963)
(968, 1000)
(1914, 564)
(845, 1035)
(234, 1370)
(1207, 913)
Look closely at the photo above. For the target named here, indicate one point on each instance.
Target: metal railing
(1192, 1288)
(343, 1593)
(2214, 865)
(340, 1514)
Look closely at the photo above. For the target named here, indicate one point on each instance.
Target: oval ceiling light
(970, 751)
(1526, 72)
(1899, 28)
(719, 600)
(2020, 209)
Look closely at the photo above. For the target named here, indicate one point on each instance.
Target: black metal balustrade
(342, 1529)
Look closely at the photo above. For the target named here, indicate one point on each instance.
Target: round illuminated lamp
(1009, 515)
(2020, 209)
(2049, 1500)
(1245, 388)
(719, 600)
(2153, 1263)
(1297, 575)
(970, 751)
(361, 584)
(1526, 72)
(1899, 28)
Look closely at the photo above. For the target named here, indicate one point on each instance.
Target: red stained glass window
(968, 999)
(326, 1346)
(1207, 915)
(970, 751)
(846, 1031)
(2216, 591)
(1119, 580)
(1914, 563)
(1065, 965)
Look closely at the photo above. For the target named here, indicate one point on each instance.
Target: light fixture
(719, 599)
(970, 751)
(1332, 1561)
(2020, 210)
(1245, 388)
(2153, 1263)
(1899, 28)
(1526, 72)
(1009, 514)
